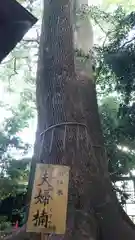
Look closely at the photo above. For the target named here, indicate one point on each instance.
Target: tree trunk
(68, 98)
(66, 102)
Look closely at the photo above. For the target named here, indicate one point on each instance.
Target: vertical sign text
(48, 205)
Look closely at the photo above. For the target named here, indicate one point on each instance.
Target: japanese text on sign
(48, 205)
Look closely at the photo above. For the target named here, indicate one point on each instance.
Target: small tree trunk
(68, 98)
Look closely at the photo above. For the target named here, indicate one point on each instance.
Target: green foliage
(115, 69)
(127, 5)
(13, 173)
(118, 55)
(120, 162)
(4, 223)
(17, 102)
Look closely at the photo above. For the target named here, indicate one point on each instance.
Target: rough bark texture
(66, 95)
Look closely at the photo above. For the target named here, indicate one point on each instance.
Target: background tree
(117, 77)
(13, 174)
(14, 166)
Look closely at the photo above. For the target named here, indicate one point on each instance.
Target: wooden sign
(48, 207)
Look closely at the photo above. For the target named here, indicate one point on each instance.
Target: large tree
(67, 97)
(66, 100)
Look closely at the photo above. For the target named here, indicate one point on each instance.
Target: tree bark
(66, 101)
(67, 96)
